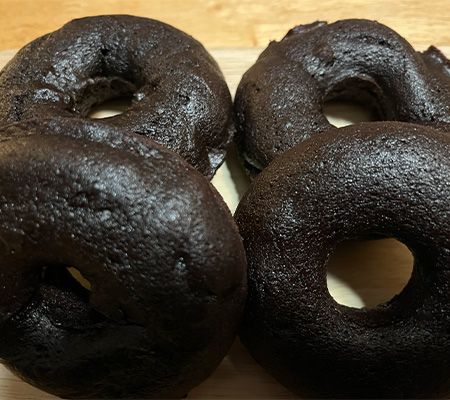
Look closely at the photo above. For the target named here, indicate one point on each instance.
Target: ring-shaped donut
(152, 236)
(279, 101)
(179, 96)
(382, 178)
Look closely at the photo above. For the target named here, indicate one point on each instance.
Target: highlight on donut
(379, 179)
(178, 94)
(280, 99)
(157, 246)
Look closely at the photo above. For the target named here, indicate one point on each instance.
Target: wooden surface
(360, 274)
(232, 23)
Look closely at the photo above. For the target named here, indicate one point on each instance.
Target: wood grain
(361, 274)
(229, 23)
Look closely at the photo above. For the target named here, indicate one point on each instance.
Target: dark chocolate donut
(152, 236)
(380, 178)
(180, 98)
(279, 101)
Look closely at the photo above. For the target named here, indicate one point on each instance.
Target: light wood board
(230, 23)
(360, 274)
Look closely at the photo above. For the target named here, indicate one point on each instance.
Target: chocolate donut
(179, 96)
(152, 236)
(279, 101)
(382, 178)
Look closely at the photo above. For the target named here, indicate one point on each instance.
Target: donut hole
(105, 97)
(66, 278)
(111, 107)
(352, 101)
(365, 274)
(79, 278)
(343, 113)
(64, 297)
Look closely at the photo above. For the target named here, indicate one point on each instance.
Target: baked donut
(382, 178)
(279, 101)
(179, 96)
(152, 236)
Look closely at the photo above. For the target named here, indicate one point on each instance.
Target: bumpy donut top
(180, 98)
(279, 100)
(153, 237)
(383, 178)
